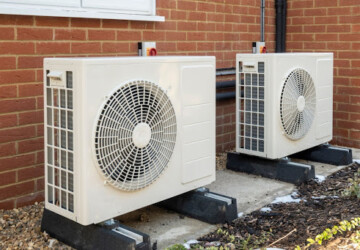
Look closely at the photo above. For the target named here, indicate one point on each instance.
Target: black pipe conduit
(280, 19)
(225, 84)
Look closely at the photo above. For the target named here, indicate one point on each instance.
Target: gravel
(20, 229)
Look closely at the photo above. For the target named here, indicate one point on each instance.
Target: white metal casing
(189, 82)
(277, 67)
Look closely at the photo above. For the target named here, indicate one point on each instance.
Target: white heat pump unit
(284, 102)
(124, 133)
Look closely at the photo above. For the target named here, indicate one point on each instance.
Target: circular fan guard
(297, 104)
(135, 135)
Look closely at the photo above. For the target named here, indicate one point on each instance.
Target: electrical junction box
(147, 49)
(259, 47)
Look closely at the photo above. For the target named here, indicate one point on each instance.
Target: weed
(354, 189)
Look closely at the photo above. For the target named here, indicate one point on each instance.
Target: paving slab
(251, 192)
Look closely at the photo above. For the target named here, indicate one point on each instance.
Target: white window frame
(74, 8)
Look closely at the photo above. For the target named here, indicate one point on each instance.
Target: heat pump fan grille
(297, 104)
(135, 135)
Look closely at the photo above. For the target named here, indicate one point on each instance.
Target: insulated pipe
(278, 20)
(225, 84)
(262, 27)
(281, 12)
(283, 33)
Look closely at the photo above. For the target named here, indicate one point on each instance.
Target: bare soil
(322, 206)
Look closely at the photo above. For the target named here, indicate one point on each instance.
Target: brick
(154, 35)
(140, 25)
(85, 22)
(339, 11)
(17, 161)
(326, 20)
(186, 5)
(302, 4)
(32, 117)
(17, 48)
(40, 157)
(325, 3)
(349, 37)
(30, 199)
(129, 35)
(7, 33)
(8, 120)
(30, 62)
(16, 20)
(52, 21)
(70, 34)
(30, 145)
(348, 2)
(86, 48)
(34, 34)
(7, 178)
(7, 149)
(30, 90)
(355, 134)
(17, 190)
(8, 91)
(175, 36)
(30, 173)
(349, 19)
(15, 134)
(314, 28)
(168, 25)
(7, 106)
(186, 46)
(8, 204)
(7, 62)
(205, 46)
(117, 24)
(101, 34)
(326, 37)
(17, 76)
(53, 48)
(115, 47)
(186, 26)
(40, 184)
(339, 28)
(356, 28)
(195, 36)
(197, 16)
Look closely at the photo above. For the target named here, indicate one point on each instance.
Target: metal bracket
(203, 205)
(326, 154)
(282, 169)
(103, 236)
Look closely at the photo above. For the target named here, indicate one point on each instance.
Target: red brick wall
(212, 27)
(333, 26)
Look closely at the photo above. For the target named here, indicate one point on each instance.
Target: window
(140, 10)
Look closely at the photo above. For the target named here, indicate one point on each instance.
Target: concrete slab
(252, 192)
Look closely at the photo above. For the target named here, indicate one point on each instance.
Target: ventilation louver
(297, 104)
(135, 135)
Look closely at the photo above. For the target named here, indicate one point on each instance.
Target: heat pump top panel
(284, 102)
(122, 133)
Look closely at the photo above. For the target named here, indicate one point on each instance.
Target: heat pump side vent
(59, 141)
(251, 108)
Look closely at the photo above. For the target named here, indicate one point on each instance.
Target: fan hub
(301, 103)
(141, 135)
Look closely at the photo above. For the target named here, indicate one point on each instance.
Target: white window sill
(81, 13)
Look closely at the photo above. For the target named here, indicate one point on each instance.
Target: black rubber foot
(326, 154)
(283, 169)
(203, 205)
(93, 236)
